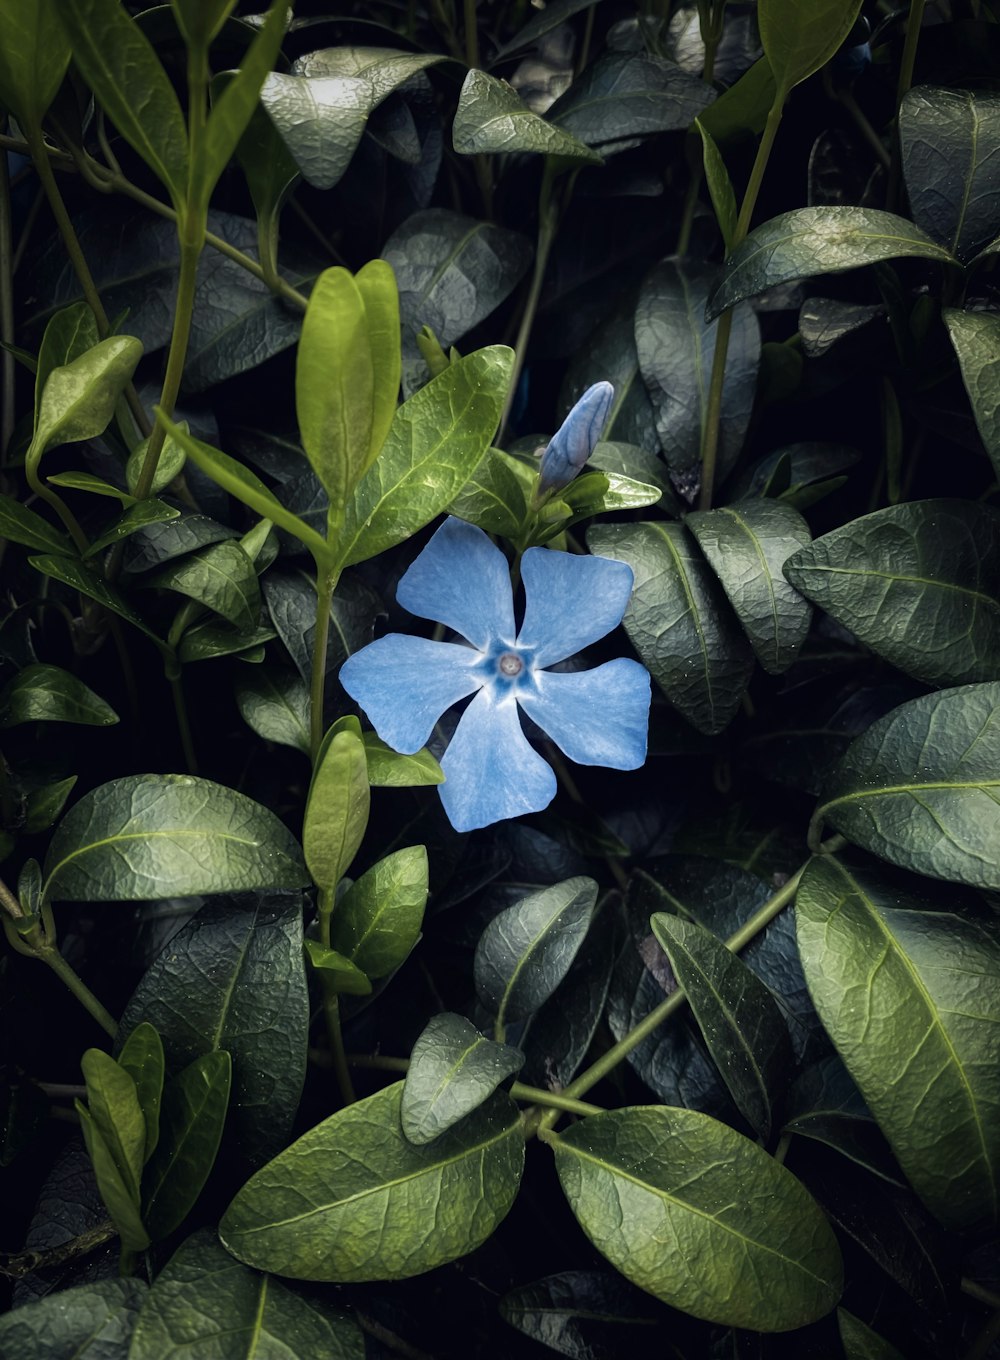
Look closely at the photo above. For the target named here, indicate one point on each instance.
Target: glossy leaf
(34, 55)
(338, 971)
(497, 494)
(203, 1303)
(691, 1211)
(587, 1315)
(799, 39)
(747, 544)
(921, 788)
(918, 583)
(79, 399)
(144, 837)
(291, 603)
(337, 809)
(679, 621)
(491, 117)
(22, 525)
(976, 337)
(352, 1200)
(119, 1197)
(902, 982)
(453, 1070)
(436, 440)
(141, 1056)
(43, 806)
(135, 517)
(820, 240)
(384, 68)
(90, 1322)
(192, 1116)
(275, 703)
(221, 577)
(43, 693)
(209, 639)
(389, 769)
(741, 1022)
(629, 95)
(377, 921)
(86, 481)
(321, 120)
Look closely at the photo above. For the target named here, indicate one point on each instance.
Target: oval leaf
(630, 94)
(142, 1058)
(337, 808)
(275, 703)
(91, 1322)
(34, 55)
(220, 577)
(976, 339)
(42, 693)
(377, 921)
(79, 399)
(798, 39)
(453, 1069)
(492, 117)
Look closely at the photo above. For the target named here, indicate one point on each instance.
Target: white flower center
(511, 664)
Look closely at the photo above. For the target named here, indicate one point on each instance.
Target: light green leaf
(336, 809)
(352, 1200)
(192, 1117)
(170, 465)
(389, 769)
(220, 577)
(720, 186)
(119, 1198)
(435, 442)
(976, 339)
(526, 950)
(97, 486)
(820, 240)
(698, 1215)
(746, 545)
(34, 55)
(376, 283)
(130, 521)
(918, 583)
(798, 39)
(70, 333)
(79, 399)
(491, 117)
(377, 921)
(921, 788)
(141, 1056)
(905, 984)
(22, 525)
(596, 492)
(90, 1322)
(742, 1024)
(144, 837)
(200, 20)
(275, 703)
(43, 693)
(339, 972)
(79, 576)
(113, 1103)
(453, 1069)
(497, 494)
(679, 621)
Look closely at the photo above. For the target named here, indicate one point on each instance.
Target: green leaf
(352, 1200)
(120, 1199)
(275, 703)
(453, 1070)
(43, 806)
(976, 339)
(141, 1056)
(497, 494)
(270, 169)
(741, 1022)
(556, 12)
(903, 982)
(124, 72)
(130, 521)
(388, 769)
(192, 1117)
(234, 978)
(97, 486)
(860, 1342)
(491, 117)
(22, 525)
(340, 973)
(150, 836)
(220, 577)
(321, 120)
(921, 788)
(43, 693)
(435, 442)
(587, 1315)
(679, 621)
(676, 346)
(799, 39)
(376, 283)
(746, 545)
(384, 68)
(598, 493)
(79, 398)
(820, 240)
(741, 111)
(377, 921)
(70, 333)
(34, 55)
(113, 1105)
(336, 809)
(629, 94)
(200, 20)
(526, 950)
(208, 640)
(90, 1322)
(918, 583)
(698, 1215)
(203, 1303)
(720, 186)
(950, 141)
(291, 603)
(79, 576)
(170, 465)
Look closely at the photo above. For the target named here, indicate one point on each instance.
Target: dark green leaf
(526, 950)
(43, 806)
(221, 577)
(150, 836)
(22, 525)
(747, 544)
(918, 583)
(950, 141)
(336, 809)
(34, 55)
(275, 703)
(207, 640)
(860, 1342)
(377, 921)
(79, 576)
(492, 117)
(92, 1322)
(113, 1105)
(556, 12)
(204, 1303)
(353, 1200)
(657, 1190)
(44, 693)
(921, 788)
(192, 1116)
(130, 521)
(805, 465)
(976, 338)
(141, 1056)
(741, 111)
(902, 983)
(583, 1314)
(799, 39)
(233, 978)
(629, 94)
(720, 186)
(610, 355)
(821, 240)
(453, 1070)
(120, 1198)
(162, 542)
(270, 169)
(388, 769)
(291, 602)
(679, 621)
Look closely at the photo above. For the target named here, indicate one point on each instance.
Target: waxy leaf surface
(453, 1069)
(492, 117)
(90, 1322)
(976, 339)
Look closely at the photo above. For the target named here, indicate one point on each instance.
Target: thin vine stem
(331, 1006)
(529, 1095)
(547, 224)
(49, 954)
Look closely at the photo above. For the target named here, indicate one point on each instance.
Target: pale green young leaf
(141, 1056)
(170, 465)
(336, 809)
(390, 769)
(376, 283)
(79, 398)
(34, 55)
(68, 335)
(113, 1102)
(377, 921)
(338, 970)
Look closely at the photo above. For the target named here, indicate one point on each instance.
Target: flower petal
(597, 717)
(490, 770)
(404, 684)
(571, 601)
(461, 579)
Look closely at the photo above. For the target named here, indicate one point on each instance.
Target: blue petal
(461, 579)
(573, 443)
(490, 770)
(404, 684)
(597, 717)
(571, 601)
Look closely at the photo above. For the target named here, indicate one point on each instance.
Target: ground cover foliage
(696, 1059)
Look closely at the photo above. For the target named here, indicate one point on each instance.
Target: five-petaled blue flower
(404, 684)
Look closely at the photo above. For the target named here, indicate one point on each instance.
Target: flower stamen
(511, 664)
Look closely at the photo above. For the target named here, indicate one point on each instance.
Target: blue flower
(573, 443)
(404, 684)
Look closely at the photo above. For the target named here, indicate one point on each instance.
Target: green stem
(547, 226)
(914, 23)
(52, 498)
(608, 1061)
(183, 724)
(331, 1006)
(326, 584)
(530, 1095)
(9, 903)
(50, 954)
(6, 312)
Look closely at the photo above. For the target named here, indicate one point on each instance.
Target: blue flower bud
(573, 443)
